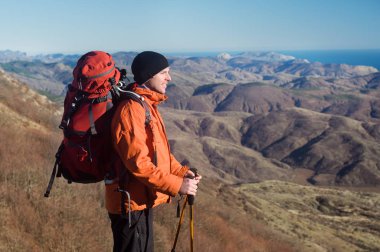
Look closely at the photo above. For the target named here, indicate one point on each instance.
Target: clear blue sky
(77, 26)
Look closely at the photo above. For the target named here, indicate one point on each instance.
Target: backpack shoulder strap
(124, 176)
(136, 97)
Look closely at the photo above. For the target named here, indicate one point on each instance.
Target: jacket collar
(151, 96)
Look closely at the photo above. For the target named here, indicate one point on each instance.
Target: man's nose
(168, 77)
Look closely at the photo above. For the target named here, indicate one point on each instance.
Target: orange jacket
(149, 185)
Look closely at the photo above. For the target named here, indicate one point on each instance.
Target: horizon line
(198, 51)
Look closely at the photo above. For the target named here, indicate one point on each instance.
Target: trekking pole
(179, 224)
(191, 199)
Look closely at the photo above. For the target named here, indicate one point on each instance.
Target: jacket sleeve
(132, 144)
(176, 167)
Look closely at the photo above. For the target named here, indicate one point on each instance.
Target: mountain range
(261, 107)
(267, 67)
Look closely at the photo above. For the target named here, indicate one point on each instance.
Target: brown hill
(213, 144)
(309, 83)
(357, 106)
(256, 98)
(338, 149)
(204, 98)
(371, 81)
(293, 137)
(310, 93)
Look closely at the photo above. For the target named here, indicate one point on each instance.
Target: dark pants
(138, 237)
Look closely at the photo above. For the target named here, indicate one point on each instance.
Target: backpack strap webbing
(101, 74)
(55, 171)
(74, 107)
(109, 105)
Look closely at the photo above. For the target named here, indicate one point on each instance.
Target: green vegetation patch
(19, 68)
(207, 89)
(341, 97)
(53, 97)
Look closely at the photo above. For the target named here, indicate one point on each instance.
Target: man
(153, 174)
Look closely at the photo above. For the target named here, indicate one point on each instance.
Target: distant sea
(350, 57)
(370, 57)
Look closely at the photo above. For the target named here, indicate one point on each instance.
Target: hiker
(150, 174)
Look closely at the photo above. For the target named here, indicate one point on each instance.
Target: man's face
(159, 81)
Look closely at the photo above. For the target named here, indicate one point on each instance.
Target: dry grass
(30, 222)
(220, 225)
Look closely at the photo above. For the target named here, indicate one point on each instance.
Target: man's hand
(190, 183)
(190, 174)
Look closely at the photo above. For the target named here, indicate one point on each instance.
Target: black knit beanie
(146, 64)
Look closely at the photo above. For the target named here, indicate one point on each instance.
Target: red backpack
(86, 153)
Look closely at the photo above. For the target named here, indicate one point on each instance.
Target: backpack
(86, 153)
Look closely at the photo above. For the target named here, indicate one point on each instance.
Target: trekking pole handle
(191, 198)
